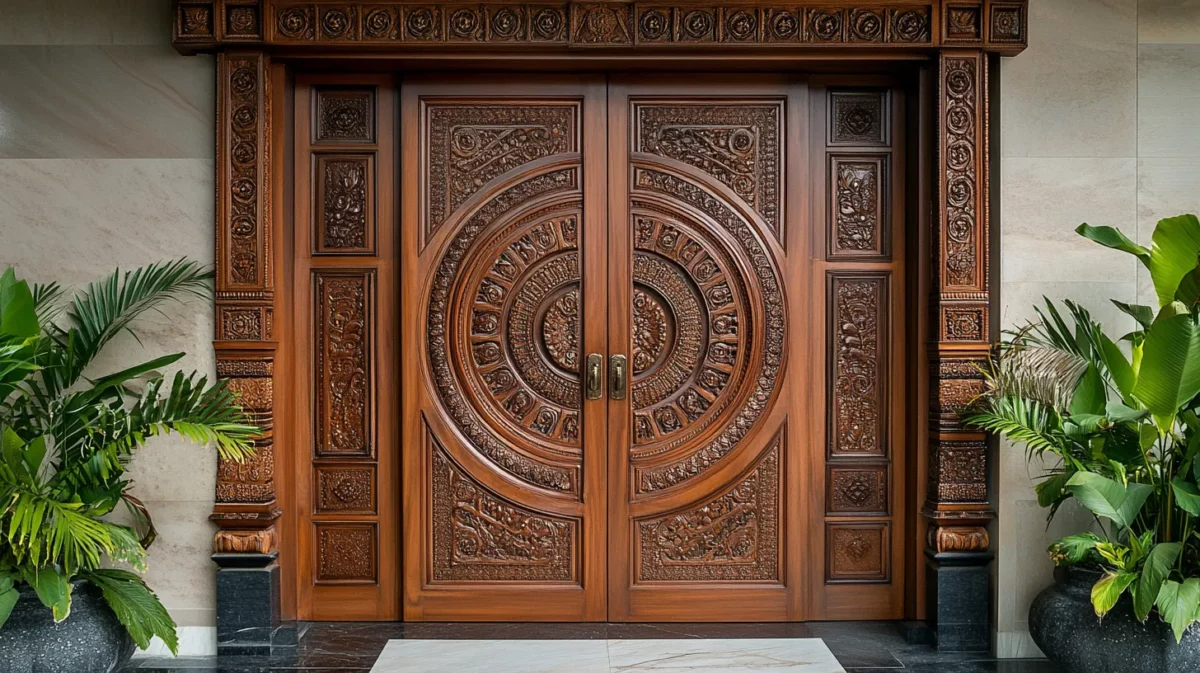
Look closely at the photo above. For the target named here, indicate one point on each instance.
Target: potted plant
(70, 596)
(1117, 418)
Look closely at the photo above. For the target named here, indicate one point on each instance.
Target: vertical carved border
(246, 508)
(957, 493)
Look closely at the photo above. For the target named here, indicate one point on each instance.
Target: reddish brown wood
(345, 324)
(996, 25)
(504, 292)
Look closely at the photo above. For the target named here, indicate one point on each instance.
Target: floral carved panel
(347, 553)
(479, 536)
(734, 536)
(343, 322)
(859, 227)
(858, 354)
(345, 207)
(858, 552)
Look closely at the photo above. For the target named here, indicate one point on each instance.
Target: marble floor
(813, 647)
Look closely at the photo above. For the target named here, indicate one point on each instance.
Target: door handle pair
(617, 376)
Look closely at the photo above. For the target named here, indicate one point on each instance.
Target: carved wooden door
(708, 257)
(503, 246)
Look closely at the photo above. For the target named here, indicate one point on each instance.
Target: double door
(604, 409)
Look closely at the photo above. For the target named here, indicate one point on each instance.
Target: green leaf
(1170, 368)
(8, 598)
(1113, 238)
(136, 607)
(1156, 569)
(1072, 549)
(1144, 315)
(1050, 491)
(1089, 397)
(1108, 589)
(1175, 246)
(18, 316)
(1107, 498)
(1187, 496)
(52, 588)
(1119, 413)
(1118, 367)
(1177, 603)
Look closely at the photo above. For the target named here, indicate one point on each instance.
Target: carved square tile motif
(346, 553)
(857, 552)
(344, 115)
(345, 488)
(963, 22)
(195, 21)
(1007, 23)
(857, 489)
(858, 117)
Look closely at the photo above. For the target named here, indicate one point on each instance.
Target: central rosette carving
(650, 330)
(560, 330)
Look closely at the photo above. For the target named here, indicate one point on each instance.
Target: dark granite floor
(861, 647)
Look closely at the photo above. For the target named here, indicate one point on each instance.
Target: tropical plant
(67, 434)
(1119, 426)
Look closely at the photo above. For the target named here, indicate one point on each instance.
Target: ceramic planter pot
(91, 640)
(1063, 623)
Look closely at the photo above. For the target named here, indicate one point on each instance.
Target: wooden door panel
(504, 287)
(700, 449)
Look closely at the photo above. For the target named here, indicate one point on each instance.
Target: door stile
(548, 532)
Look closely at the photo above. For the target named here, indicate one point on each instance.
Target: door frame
(949, 49)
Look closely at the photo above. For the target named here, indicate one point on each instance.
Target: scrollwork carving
(858, 309)
(343, 316)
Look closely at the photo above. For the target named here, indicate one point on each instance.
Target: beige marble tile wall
(1099, 124)
(106, 159)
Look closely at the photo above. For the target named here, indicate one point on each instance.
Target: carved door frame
(951, 44)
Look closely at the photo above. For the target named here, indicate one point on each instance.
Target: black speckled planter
(91, 640)
(1063, 624)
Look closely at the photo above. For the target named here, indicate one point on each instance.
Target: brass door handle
(594, 388)
(616, 375)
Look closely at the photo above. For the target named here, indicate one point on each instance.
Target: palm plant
(66, 436)
(1123, 423)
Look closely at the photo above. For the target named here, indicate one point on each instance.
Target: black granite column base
(916, 632)
(959, 600)
(248, 608)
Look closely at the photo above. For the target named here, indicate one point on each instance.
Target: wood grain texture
(995, 25)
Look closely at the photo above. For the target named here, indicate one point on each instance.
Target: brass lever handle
(616, 374)
(594, 388)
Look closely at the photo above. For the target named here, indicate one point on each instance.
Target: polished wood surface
(346, 323)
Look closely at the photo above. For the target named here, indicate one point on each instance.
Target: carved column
(246, 546)
(957, 505)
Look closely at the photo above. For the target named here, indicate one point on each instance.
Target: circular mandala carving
(654, 25)
(506, 24)
(689, 308)
(464, 23)
(784, 26)
(698, 24)
(742, 25)
(548, 24)
(293, 22)
(826, 26)
(378, 23)
(420, 23)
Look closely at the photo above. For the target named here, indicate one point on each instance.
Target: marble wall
(106, 160)
(1099, 124)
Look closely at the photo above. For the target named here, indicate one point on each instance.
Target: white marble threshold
(787, 655)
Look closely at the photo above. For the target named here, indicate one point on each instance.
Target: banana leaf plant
(1118, 419)
(67, 434)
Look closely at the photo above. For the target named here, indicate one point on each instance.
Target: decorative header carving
(200, 25)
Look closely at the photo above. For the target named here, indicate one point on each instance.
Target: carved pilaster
(245, 304)
(956, 504)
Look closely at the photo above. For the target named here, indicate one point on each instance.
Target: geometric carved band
(998, 26)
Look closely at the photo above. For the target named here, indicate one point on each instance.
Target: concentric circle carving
(493, 268)
(689, 305)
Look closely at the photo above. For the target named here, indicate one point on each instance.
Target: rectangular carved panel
(343, 324)
(344, 115)
(963, 192)
(344, 212)
(348, 489)
(347, 553)
(859, 225)
(740, 144)
(470, 144)
(858, 552)
(859, 117)
(732, 537)
(243, 127)
(857, 489)
(857, 354)
(479, 536)
(958, 471)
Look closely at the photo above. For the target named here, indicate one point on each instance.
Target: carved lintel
(206, 25)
